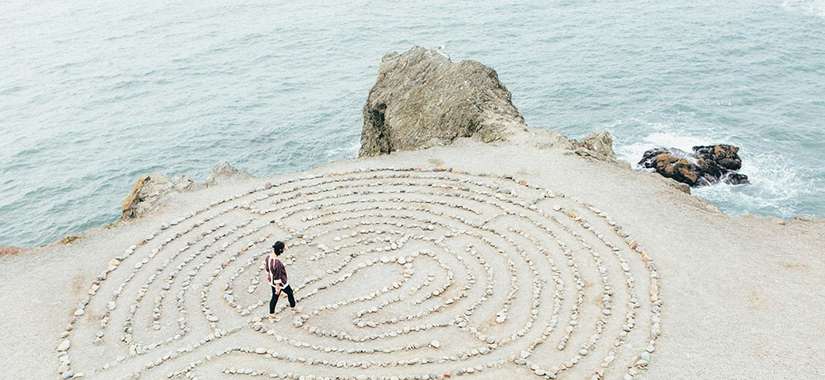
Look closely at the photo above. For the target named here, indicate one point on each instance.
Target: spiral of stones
(399, 273)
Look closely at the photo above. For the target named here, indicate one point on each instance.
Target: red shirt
(275, 267)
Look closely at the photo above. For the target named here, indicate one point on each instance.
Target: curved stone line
(509, 197)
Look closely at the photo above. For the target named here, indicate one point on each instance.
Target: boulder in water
(423, 99)
(705, 165)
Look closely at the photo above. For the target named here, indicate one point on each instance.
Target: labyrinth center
(398, 274)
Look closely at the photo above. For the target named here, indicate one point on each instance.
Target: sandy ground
(448, 273)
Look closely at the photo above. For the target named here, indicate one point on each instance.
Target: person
(277, 277)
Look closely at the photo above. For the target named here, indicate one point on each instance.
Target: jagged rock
(706, 165)
(725, 156)
(598, 145)
(423, 99)
(148, 190)
(69, 239)
(223, 171)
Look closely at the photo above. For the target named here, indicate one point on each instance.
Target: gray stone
(422, 99)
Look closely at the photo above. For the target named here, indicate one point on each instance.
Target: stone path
(399, 274)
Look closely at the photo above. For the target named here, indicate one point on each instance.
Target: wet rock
(705, 165)
(422, 99)
(725, 156)
(69, 239)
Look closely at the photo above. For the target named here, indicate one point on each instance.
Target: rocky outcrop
(149, 191)
(223, 171)
(705, 165)
(597, 145)
(422, 99)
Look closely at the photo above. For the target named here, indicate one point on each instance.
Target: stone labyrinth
(399, 274)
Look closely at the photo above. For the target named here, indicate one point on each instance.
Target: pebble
(64, 345)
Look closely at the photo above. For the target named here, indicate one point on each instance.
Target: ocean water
(94, 94)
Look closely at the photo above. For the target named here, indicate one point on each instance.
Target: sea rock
(597, 145)
(423, 99)
(705, 165)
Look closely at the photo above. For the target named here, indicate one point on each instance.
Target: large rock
(422, 99)
(705, 165)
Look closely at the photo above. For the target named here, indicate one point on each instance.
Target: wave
(633, 152)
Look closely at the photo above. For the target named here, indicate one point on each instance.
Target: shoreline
(697, 251)
(619, 162)
(459, 243)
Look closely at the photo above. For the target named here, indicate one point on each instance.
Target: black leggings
(275, 296)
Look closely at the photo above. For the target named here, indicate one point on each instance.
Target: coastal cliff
(476, 249)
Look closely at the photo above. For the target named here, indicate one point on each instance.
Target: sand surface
(517, 261)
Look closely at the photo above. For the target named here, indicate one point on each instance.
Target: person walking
(277, 277)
